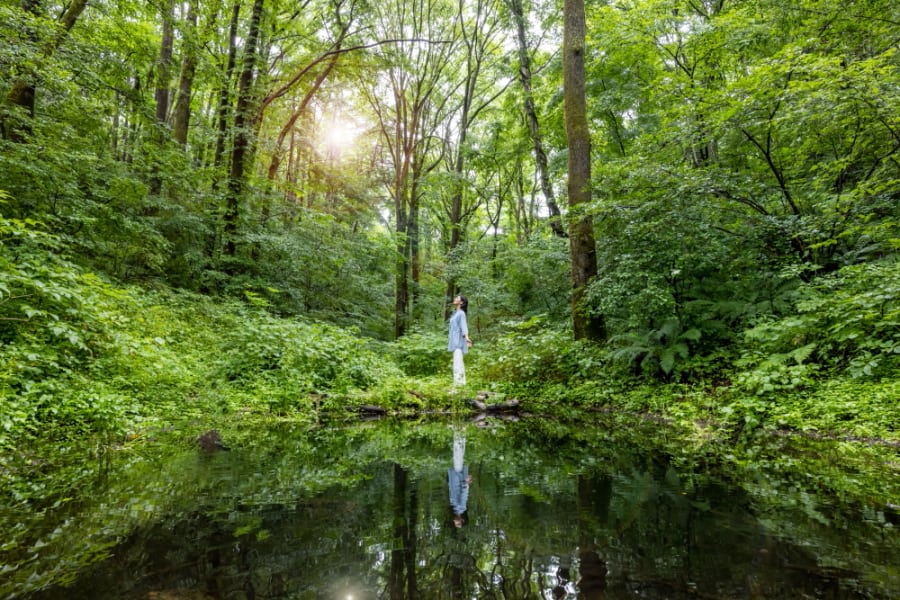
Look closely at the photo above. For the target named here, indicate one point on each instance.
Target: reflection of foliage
(318, 508)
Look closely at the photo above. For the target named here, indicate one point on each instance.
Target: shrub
(847, 322)
(421, 353)
(531, 351)
(307, 357)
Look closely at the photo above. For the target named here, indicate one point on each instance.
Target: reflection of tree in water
(402, 577)
(594, 497)
(546, 523)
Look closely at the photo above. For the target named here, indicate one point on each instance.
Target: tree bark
(164, 64)
(224, 93)
(162, 97)
(582, 247)
(531, 117)
(182, 112)
(243, 127)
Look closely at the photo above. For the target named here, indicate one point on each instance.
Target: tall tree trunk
(24, 91)
(182, 112)
(243, 128)
(594, 495)
(413, 232)
(224, 93)
(401, 291)
(162, 93)
(534, 129)
(582, 248)
(164, 64)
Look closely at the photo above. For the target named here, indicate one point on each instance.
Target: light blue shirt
(458, 482)
(459, 329)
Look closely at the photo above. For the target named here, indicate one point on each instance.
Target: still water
(441, 509)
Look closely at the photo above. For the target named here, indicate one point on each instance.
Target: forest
(241, 225)
(685, 208)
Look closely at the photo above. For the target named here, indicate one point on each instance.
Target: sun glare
(339, 134)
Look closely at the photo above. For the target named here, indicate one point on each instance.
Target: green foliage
(533, 352)
(658, 350)
(846, 322)
(318, 268)
(296, 359)
(841, 407)
(52, 327)
(81, 356)
(505, 280)
(421, 353)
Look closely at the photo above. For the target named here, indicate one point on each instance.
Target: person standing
(459, 341)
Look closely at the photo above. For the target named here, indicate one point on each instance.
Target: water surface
(362, 511)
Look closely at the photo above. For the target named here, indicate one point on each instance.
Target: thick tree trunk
(534, 129)
(243, 128)
(581, 234)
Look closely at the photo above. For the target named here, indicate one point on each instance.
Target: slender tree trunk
(243, 127)
(581, 234)
(413, 234)
(288, 127)
(401, 298)
(182, 111)
(164, 64)
(475, 37)
(224, 93)
(162, 95)
(531, 117)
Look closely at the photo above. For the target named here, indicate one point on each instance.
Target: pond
(608, 509)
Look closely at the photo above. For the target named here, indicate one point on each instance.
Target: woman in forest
(459, 342)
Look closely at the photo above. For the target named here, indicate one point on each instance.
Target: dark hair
(463, 519)
(464, 303)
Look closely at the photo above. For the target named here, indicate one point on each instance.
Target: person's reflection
(458, 480)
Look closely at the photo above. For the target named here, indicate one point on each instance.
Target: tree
(481, 36)
(244, 125)
(181, 115)
(531, 117)
(22, 94)
(582, 247)
(405, 99)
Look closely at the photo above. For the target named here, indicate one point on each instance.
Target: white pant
(459, 368)
(459, 451)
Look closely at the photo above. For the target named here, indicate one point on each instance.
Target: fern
(656, 351)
